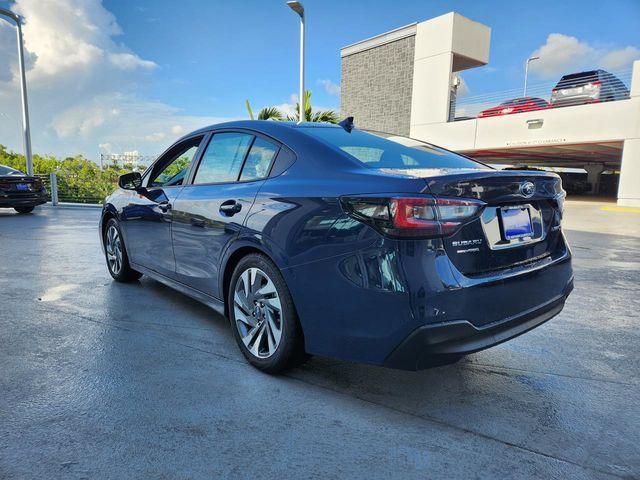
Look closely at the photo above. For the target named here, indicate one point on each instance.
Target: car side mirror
(130, 181)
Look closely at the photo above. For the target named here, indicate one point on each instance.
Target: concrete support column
(54, 189)
(629, 187)
(594, 170)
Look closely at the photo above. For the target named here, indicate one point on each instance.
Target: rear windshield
(577, 79)
(381, 150)
(9, 171)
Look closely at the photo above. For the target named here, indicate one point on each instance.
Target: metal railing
(542, 97)
(61, 189)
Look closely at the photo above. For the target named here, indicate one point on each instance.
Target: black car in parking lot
(20, 191)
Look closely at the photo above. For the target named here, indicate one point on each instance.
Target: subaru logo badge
(527, 189)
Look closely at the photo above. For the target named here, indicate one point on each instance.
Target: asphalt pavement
(107, 380)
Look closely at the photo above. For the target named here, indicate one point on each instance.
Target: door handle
(164, 206)
(230, 208)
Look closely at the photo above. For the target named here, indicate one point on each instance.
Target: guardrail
(541, 96)
(61, 189)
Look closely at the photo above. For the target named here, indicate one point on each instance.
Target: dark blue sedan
(327, 240)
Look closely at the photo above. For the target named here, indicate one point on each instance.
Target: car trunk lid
(519, 224)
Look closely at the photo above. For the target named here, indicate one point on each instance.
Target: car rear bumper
(444, 343)
(8, 200)
(380, 296)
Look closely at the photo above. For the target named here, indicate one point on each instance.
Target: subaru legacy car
(20, 191)
(329, 240)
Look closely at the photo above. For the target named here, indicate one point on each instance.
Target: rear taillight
(424, 216)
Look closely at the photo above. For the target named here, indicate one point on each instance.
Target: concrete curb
(73, 205)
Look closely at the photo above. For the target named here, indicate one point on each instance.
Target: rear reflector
(423, 216)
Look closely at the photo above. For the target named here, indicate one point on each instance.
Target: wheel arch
(233, 255)
(108, 212)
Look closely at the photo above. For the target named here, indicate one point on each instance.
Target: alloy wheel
(114, 250)
(258, 312)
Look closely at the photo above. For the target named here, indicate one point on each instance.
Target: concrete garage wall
(377, 85)
(612, 121)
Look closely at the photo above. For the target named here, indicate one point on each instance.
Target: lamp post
(23, 89)
(299, 9)
(526, 73)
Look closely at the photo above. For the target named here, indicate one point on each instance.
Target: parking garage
(406, 81)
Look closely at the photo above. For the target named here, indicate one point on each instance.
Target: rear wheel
(22, 210)
(264, 319)
(116, 254)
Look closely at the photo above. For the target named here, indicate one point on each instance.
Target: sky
(117, 76)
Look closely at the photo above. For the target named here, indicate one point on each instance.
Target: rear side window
(381, 150)
(259, 160)
(9, 171)
(222, 160)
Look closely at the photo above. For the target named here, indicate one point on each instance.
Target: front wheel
(116, 254)
(22, 210)
(264, 320)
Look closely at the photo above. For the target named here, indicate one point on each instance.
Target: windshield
(9, 171)
(382, 150)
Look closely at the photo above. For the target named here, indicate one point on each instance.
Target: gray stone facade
(376, 86)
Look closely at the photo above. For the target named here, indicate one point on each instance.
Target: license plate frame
(23, 187)
(516, 222)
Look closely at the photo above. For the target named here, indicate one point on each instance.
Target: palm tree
(272, 113)
(267, 113)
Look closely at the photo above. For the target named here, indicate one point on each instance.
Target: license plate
(516, 223)
(22, 186)
(572, 91)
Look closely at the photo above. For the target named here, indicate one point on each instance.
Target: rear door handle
(230, 208)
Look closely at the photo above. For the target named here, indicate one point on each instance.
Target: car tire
(23, 210)
(256, 290)
(116, 254)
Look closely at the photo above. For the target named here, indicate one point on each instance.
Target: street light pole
(526, 73)
(299, 9)
(23, 90)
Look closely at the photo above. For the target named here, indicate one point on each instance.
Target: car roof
(266, 126)
(586, 73)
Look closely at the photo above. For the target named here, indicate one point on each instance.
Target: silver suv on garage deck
(593, 86)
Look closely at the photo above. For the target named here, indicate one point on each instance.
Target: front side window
(223, 158)
(381, 150)
(173, 170)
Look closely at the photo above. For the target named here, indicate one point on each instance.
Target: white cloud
(289, 108)
(330, 87)
(124, 122)
(83, 86)
(620, 58)
(155, 137)
(563, 54)
(177, 129)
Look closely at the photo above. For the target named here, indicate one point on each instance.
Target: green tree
(79, 179)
